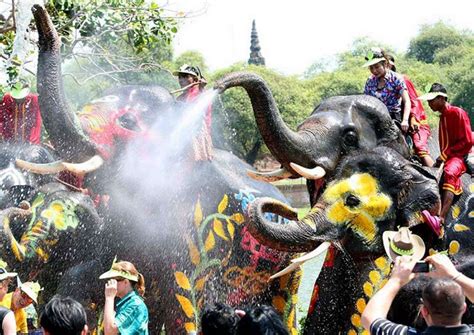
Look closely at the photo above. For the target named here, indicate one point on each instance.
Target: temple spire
(255, 54)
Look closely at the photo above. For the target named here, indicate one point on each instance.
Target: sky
(294, 34)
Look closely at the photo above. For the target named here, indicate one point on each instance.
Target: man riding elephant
(455, 143)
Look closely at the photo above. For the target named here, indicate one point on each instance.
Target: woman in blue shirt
(131, 313)
(388, 86)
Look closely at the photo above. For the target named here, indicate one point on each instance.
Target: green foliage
(124, 41)
(137, 24)
(433, 38)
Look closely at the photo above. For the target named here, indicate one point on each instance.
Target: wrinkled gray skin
(336, 127)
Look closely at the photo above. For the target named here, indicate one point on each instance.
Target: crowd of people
(125, 311)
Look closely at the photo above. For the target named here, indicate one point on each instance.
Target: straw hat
(19, 90)
(374, 56)
(403, 243)
(31, 289)
(434, 91)
(114, 273)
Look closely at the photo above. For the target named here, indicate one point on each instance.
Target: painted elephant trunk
(293, 236)
(286, 145)
(59, 121)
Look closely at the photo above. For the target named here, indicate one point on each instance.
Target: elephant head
(336, 128)
(371, 191)
(103, 124)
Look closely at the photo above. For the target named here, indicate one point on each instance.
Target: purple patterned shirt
(390, 94)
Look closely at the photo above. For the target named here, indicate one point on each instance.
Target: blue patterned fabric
(131, 315)
(390, 94)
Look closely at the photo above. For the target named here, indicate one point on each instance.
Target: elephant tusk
(88, 166)
(55, 167)
(314, 173)
(297, 262)
(269, 176)
(50, 168)
(312, 254)
(290, 268)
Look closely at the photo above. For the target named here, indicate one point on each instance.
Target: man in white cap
(24, 295)
(455, 143)
(192, 84)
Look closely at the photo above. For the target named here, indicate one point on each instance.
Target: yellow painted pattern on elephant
(377, 279)
(373, 205)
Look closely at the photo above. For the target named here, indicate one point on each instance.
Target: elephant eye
(351, 139)
(351, 201)
(128, 121)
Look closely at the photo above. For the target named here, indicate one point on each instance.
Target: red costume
(202, 142)
(455, 142)
(420, 138)
(20, 121)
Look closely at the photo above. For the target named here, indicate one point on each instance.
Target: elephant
(361, 182)
(179, 221)
(40, 218)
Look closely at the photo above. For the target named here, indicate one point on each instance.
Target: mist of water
(156, 167)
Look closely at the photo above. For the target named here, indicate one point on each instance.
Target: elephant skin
(46, 228)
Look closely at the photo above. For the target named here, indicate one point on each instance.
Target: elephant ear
(421, 194)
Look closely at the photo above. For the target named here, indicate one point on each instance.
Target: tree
(433, 38)
(114, 37)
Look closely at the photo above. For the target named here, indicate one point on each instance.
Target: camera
(421, 267)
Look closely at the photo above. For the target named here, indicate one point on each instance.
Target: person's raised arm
(380, 303)
(110, 328)
(443, 267)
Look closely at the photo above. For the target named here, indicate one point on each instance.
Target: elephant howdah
(369, 186)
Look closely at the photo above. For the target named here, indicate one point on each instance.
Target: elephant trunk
(293, 236)
(286, 145)
(60, 123)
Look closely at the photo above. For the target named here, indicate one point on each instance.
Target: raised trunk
(286, 145)
(63, 130)
(294, 236)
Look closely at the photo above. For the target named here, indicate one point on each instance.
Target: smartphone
(421, 267)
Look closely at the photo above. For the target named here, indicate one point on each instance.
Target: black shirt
(386, 327)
